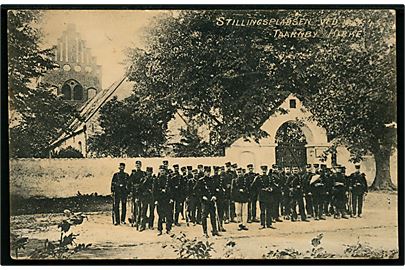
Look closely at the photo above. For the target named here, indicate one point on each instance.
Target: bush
(69, 152)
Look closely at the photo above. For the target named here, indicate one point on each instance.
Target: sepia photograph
(203, 133)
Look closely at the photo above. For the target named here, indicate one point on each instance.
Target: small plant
(17, 242)
(318, 252)
(288, 253)
(232, 251)
(192, 248)
(66, 246)
(360, 250)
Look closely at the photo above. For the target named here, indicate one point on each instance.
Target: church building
(78, 78)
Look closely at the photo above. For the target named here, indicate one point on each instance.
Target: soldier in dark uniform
(328, 208)
(146, 199)
(119, 189)
(309, 201)
(220, 189)
(317, 187)
(297, 196)
(232, 206)
(263, 187)
(178, 188)
(189, 183)
(339, 193)
(205, 190)
(135, 179)
(193, 197)
(288, 193)
(359, 187)
(283, 187)
(166, 164)
(163, 199)
(227, 177)
(278, 185)
(252, 205)
(240, 195)
(200, 168)
(184, 176)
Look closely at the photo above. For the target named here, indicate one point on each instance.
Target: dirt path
(378, 228)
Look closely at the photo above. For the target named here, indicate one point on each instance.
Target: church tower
(78, 78)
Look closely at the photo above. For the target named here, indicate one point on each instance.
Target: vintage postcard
(209, 133)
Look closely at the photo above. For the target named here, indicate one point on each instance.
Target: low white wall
(55, 178)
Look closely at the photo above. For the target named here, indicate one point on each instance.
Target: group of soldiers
(230, 194)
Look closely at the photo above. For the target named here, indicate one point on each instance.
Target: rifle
(113, 209)
(350, 203)
(216, 213)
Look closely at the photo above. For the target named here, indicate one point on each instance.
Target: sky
(107, 32)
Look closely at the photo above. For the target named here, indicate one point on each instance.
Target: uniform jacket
(318, 186)
(358, 182)
(219, 186)
(250, 177)
(162, 189)
(146, 187)
(306, 178)
(263, 186)
(119, 182)
(205, 187)
(240, 189)
(277, 183)
(178, 186)
(227, 178)
(135, 180)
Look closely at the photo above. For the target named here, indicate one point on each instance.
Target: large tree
(232, 78)
(37, 115)
(355, 97)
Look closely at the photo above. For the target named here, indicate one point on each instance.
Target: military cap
(122, 164)
(250, 166)
(316, 165)
(176, 166)
(149, 169)
(323, 166)
(195, 171)
(308, 166)
(183, 169)
(200, 166)
(165, 162)
(216, 168)
(274, 166)
(239, 169)
(228, 164)
(162, 167)
(357, 166)
(263, 167)
(138, 162)
(235, 165)
(222, 167)
(189, 168)
(207, 168)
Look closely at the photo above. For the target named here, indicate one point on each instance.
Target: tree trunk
(382, 180)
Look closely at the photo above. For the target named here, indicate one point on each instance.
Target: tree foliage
(192, 144)
(129, 130)
(232, 78)
(41, 116)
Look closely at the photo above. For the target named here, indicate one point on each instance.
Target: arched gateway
(272, 149)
